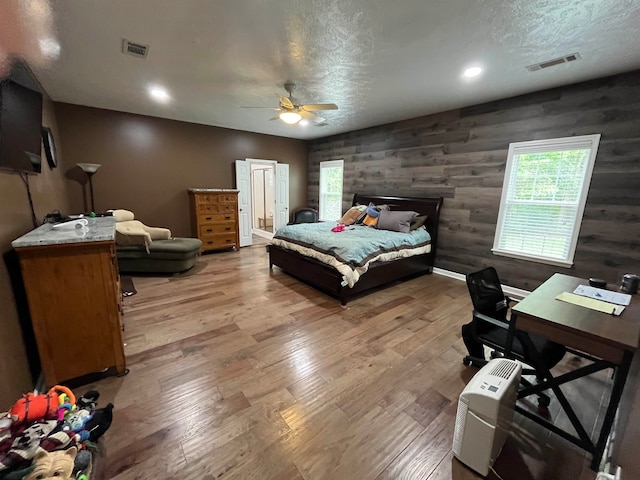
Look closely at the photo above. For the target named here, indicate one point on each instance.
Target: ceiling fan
(291, 111)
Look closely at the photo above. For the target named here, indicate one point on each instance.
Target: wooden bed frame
(329, 280)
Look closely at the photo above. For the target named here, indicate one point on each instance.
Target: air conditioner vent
(555, 61)
(135, 49)
(503, 369)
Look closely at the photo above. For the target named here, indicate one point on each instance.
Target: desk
(608, 341)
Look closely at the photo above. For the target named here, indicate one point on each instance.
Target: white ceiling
(379, 60)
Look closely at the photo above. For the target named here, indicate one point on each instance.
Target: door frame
(261, 161)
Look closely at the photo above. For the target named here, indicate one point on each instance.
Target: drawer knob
(209, 230)
(228, 228)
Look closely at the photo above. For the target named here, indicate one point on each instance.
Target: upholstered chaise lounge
(143, 249)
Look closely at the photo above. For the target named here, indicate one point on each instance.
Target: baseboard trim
(513, 291)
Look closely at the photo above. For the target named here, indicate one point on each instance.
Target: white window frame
(322, 188)
(590, 142)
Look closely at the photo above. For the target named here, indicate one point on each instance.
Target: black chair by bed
(305, 215)
(490, 324)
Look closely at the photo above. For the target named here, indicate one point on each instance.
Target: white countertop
(98, 229)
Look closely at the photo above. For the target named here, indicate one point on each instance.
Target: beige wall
(49, 193)
(149, 163)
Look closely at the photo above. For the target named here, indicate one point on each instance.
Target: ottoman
(165, 256)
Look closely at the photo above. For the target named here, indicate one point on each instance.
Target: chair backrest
(486, 292)
(305, 215)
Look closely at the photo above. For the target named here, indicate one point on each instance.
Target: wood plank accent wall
(461, 155)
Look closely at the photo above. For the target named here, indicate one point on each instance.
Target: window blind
(543, 198)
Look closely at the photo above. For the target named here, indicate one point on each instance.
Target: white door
(281, 217)
(243, 184)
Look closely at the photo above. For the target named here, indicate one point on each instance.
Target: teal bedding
(356, 245)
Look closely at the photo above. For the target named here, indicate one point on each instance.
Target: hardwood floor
(240, 373)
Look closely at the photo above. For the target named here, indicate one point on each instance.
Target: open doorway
(262, 198)
(276, 212)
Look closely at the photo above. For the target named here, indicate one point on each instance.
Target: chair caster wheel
(544, 402)
(466, 362)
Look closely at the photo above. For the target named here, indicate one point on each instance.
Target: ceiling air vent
(555, 61)
(135, 49)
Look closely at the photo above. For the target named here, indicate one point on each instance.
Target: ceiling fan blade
(310, 116)
(320, 106)
(285, 102)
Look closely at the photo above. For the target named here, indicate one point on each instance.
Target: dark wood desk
(608, 341)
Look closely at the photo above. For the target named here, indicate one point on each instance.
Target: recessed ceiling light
(159, 94)
(472, 72)
(49, 47)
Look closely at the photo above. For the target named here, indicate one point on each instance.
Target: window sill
(520, 256)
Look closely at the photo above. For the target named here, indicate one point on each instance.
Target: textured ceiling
(378, 60)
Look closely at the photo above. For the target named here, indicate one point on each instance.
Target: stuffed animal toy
(32, 407)
(56, 465)
(100, 422)
(47, 435)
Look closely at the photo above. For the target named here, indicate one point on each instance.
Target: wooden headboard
(429, 206)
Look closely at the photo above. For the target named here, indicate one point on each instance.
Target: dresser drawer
(216, 218)
(216, 208)
(218, 229)
(214, 198)
(218, 240)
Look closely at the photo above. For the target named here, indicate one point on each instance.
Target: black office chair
(304, 215)
(489, 326)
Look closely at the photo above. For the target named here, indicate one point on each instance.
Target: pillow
(121, 215)
(418, 222)
(384, 206)
(350, 216)
(373, 211)
(396, 221)
(370, 220)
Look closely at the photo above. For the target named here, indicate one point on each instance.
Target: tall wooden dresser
(214, 217)
(73, 290)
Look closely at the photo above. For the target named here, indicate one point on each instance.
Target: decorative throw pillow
(373, 211)
(418, 222)
(370, 220)
(396, 221)
(350, 216)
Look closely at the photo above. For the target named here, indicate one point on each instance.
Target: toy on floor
(100, 422)
(56, 465)
(42, 434)
(32, 407)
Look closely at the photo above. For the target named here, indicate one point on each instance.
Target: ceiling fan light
(290, 117)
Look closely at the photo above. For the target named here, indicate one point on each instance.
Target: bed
(329, 280)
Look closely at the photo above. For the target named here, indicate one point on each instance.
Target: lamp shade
(290, 117)
(89, 167)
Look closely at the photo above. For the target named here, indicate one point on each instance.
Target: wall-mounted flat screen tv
(20, 127)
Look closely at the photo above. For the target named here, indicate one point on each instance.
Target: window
(543, 197)
(331, 190)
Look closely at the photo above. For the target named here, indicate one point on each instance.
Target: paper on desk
(602, 294)
(591, 303)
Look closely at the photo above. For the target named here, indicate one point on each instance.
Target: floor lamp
(90, 169)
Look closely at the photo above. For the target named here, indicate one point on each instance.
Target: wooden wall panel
(461, 155)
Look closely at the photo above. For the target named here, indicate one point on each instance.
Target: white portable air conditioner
(485, 411)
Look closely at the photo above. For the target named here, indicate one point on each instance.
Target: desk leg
(566, 406)
(620, 378)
